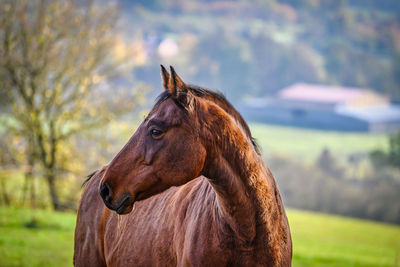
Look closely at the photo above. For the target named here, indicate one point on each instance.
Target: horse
(189, 188)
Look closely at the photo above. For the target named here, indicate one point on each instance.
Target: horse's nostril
(105, 192)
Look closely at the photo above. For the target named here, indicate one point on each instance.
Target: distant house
(325, 107)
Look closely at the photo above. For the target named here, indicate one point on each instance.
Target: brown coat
(231, 214)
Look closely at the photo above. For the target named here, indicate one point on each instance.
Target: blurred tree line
(382, 159)
(255, 48)
(337, 187)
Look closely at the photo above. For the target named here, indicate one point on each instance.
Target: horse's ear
(175, 84)
(178, 89)
(164, 77)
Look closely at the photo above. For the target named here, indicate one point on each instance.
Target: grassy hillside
(318, 240)
(308, 143)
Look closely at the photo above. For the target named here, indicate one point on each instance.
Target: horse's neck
(246, 196)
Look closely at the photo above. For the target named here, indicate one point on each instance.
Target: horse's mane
(221, 101)
(88, 178)
(206, 93)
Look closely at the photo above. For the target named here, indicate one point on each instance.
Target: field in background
(307, 144)
(318, 240)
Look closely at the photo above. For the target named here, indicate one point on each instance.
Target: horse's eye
(155, 133)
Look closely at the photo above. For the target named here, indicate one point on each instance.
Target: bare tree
(53, 56)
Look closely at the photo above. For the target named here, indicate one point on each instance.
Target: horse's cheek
(200, 154)
(194, 161)
(150, 152)
(148, 155)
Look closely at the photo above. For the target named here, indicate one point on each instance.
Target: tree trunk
(25, 188)
(6, 199)
(28, 178)
(55, 202)
(32, 197)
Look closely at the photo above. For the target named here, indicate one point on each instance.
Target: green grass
(328, 240)
(50, 244)
(318, 240)
(307, 144)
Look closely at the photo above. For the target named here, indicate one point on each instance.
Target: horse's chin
(126, 209)
(123, 205)
(128, 205)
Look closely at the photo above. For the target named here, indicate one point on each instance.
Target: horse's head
(165, 150)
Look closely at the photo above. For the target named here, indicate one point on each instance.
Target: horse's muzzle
(120, 205)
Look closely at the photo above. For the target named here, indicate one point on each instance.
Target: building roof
(326, 107)
(372, 114)
(330, 94)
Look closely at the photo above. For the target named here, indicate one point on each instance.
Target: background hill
(258, 47)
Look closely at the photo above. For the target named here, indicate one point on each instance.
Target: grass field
(307, 144)
(51, 244)
(318, 240)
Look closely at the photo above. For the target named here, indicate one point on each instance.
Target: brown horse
(201, 192)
